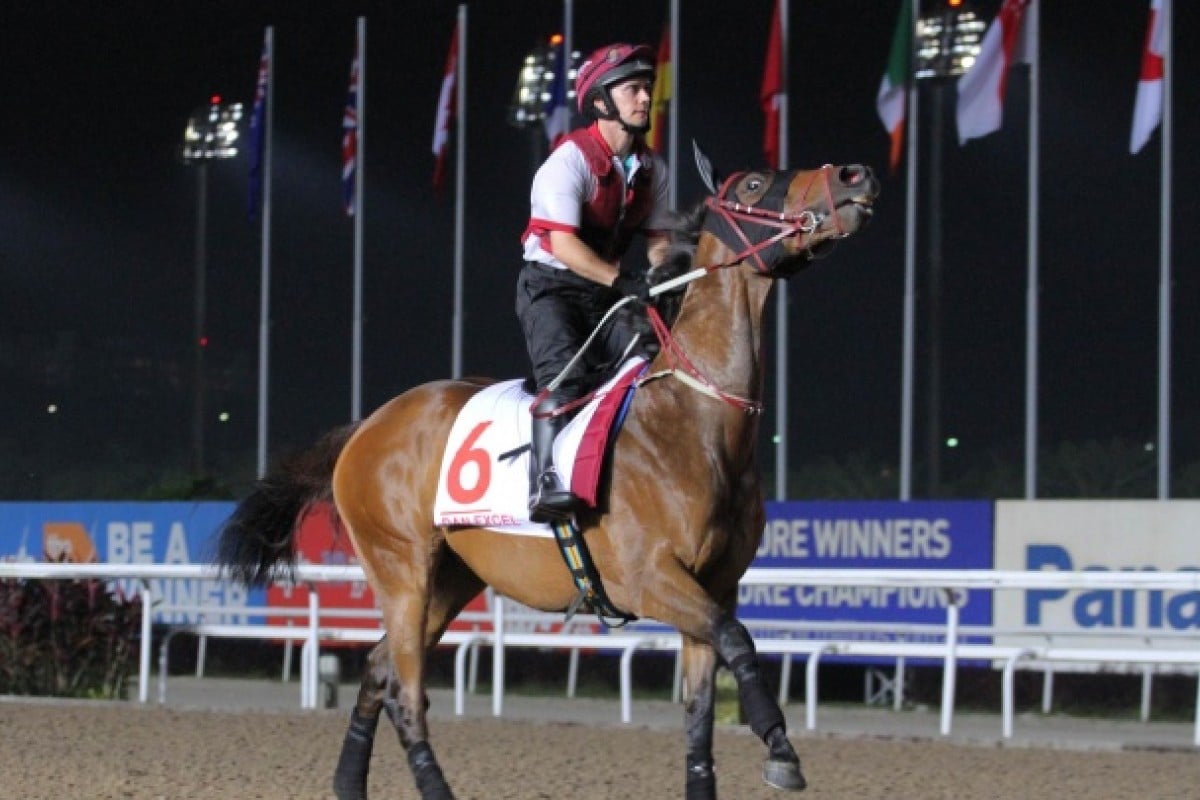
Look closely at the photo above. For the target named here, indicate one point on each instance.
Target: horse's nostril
(851, 175)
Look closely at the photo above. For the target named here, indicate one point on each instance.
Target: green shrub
(66, 638)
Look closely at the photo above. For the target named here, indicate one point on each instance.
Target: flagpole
(910, 272)
(1033, 54)
(264, 315)
(1164, 260)
(359, 180)
(781, 299)
(568, 48)
(673, 113)
(460, 181)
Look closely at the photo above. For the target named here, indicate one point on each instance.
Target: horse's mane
(683, 229)
(684, 232)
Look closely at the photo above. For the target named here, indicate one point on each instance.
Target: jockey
(600, 185)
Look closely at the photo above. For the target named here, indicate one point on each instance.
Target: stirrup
(552, 501)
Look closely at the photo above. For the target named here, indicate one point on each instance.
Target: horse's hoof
(784, 775)
(349, 791)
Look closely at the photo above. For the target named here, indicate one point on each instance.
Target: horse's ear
(705, 167)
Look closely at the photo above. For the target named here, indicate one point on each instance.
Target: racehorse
(671, 537)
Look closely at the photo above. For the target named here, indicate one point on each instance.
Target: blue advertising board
(127, 533)
(870, 535)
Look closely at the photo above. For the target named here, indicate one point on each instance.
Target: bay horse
(673, 535)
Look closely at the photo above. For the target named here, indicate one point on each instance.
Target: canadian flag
(772, 93)
(445, 111)
(1147, 109)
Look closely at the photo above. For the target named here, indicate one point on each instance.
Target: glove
(632, 286)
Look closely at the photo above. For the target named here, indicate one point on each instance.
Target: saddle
(484, 476)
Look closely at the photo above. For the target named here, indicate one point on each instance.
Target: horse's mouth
(862, 206)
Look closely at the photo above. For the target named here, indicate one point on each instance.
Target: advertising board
(1097, 535)
(128, 533)
(870, 535)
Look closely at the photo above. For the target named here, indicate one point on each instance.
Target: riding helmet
(608, 66)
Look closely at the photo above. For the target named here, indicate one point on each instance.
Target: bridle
(729, 213)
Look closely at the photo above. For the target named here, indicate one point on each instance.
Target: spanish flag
(660, 103)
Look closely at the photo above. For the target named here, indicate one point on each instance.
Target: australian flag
(258, 131)
(350, 138)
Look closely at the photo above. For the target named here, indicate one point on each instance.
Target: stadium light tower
(948, 39)
(211, 134)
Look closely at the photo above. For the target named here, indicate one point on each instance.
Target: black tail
(257, 543)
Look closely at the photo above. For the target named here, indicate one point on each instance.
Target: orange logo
(67, 541)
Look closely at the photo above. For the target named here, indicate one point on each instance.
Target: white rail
(954, 582)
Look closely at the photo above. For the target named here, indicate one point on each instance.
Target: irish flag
(1147, 109)
(890, 102)
(981, 89)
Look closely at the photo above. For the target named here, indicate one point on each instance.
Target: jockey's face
(632, 99)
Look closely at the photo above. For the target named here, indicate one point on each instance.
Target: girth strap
(591, 598)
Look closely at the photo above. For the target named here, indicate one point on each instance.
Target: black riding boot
(549, 499)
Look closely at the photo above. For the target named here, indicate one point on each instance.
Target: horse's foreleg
(699, 669)
(677, 599)
(350, 778)
(733, 643)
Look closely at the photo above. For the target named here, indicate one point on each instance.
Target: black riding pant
(558, 310)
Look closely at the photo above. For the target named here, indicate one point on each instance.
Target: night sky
(97, 220)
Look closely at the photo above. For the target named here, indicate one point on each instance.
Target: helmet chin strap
(637, 130)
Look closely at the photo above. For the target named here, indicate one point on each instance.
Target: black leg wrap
(350, 778)
(430, 781)
(761, 709)
(701, 782)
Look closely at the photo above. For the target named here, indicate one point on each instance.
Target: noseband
(770, 213)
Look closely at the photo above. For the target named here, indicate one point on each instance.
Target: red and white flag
(981, 89)
(773, 87)
(1147, 109)
(445, 111)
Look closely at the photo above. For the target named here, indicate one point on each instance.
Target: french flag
(558, 113)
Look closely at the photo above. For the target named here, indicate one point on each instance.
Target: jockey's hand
(632, 286)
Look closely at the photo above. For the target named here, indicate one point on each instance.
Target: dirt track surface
(102, 750)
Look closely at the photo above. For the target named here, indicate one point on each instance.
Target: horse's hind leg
(699, 695)
(418, 605)
(350, 778)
